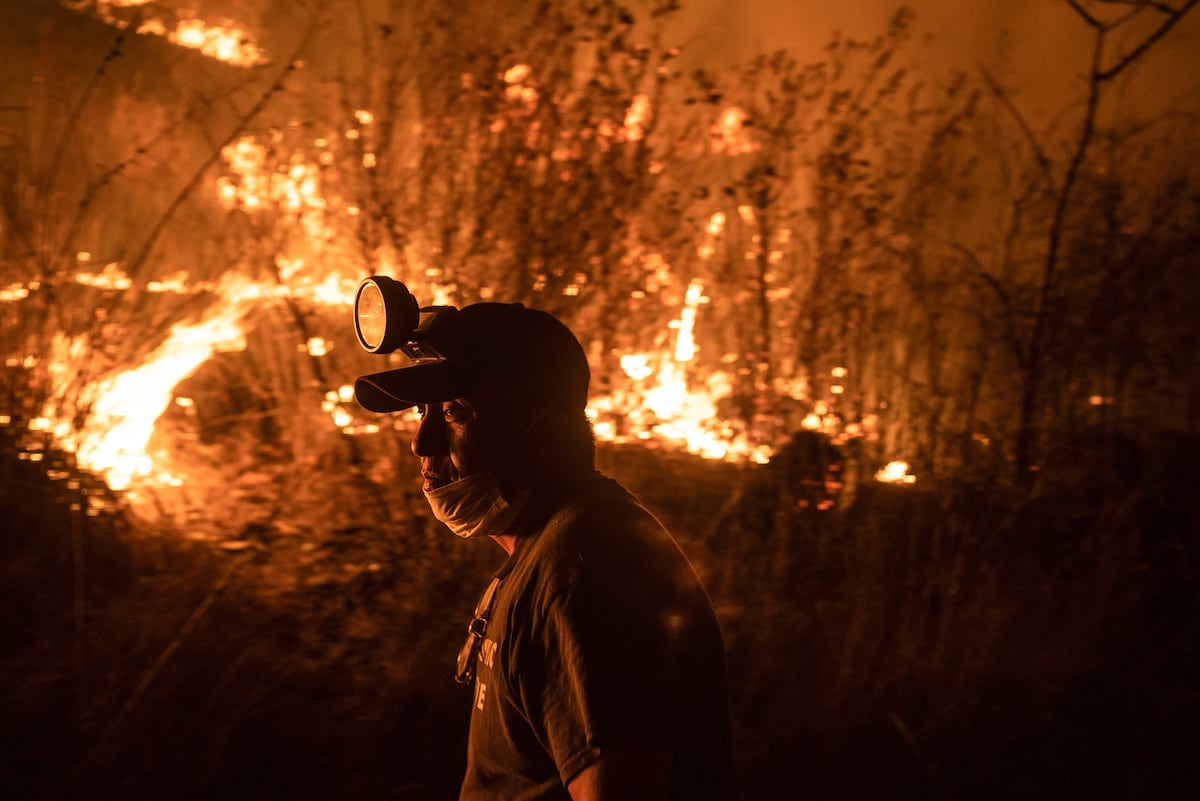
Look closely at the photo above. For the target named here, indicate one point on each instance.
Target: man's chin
(434, 482)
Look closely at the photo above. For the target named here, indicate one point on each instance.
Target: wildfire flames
(124, 408)
(109, 424)
(221, 42)
(663, 406)
(664, 403)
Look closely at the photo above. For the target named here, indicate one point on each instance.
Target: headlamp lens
(385, 314)
(372, 316)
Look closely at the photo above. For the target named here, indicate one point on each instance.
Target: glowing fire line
(220, 42)
(123, 418)
(124, 408)
(666, 401)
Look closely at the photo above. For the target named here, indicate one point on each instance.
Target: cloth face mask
(474, 507)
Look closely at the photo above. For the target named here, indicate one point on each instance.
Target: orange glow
(255, 186)
(668, 398)
(670, 408)
(14, 292)
(520, 86)
(220, 42)
(730, 134)
(111, 277)
(517, 74)
(685, 342)
(636, 118)
(637, 366)
(716, 224)
(123, 408)
(895, 473)
(230, 45)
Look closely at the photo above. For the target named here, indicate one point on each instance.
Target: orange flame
(636, 118)
(221, 42)
(667, 400)
(670, 409)
(895, 473)
(123, 408)
(730, 134)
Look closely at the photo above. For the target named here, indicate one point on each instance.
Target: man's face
(460, 437)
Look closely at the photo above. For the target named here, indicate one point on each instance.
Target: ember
(896, 473)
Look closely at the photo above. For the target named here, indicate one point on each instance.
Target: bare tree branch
(1006, 305)
(1087, 16)
(1140, 4)
(1173, 18)
(138, 153)
(152, 672)
(114, 51)
(1038, 153)
(135, 263)
(1042, 334)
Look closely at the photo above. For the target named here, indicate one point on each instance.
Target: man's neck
(541, 505)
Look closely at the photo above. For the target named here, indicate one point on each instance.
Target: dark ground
(908, 645)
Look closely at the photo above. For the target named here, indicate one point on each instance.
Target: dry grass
(958, 644)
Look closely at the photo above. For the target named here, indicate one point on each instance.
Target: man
(597, 662)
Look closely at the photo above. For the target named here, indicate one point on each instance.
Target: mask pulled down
(473, 506)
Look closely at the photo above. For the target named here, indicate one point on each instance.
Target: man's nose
(430, 439)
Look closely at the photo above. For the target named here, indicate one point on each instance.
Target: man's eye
(453, 412)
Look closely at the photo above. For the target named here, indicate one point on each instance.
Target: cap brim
(405, 387)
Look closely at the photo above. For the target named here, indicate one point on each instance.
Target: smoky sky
(1040, 48)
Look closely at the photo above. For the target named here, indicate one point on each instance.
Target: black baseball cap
(455, 352)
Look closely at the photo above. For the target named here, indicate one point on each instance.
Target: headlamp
(385, 314)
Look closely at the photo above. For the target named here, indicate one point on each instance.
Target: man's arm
(624, 774)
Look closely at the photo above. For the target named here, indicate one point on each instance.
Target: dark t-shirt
(599, 636)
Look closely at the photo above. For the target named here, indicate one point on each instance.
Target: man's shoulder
(602, 533)
(599, 512)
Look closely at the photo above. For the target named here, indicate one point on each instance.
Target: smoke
(1039, 48)
(729, 31)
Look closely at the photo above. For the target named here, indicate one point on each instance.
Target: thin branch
(1173, 18)
(1083, 12)
(1140, 4)
(1065, 194)
(1133, 12)
(139, 152)
(1006, 306)
(1038, 153)
(276, 86)
(72, 122)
